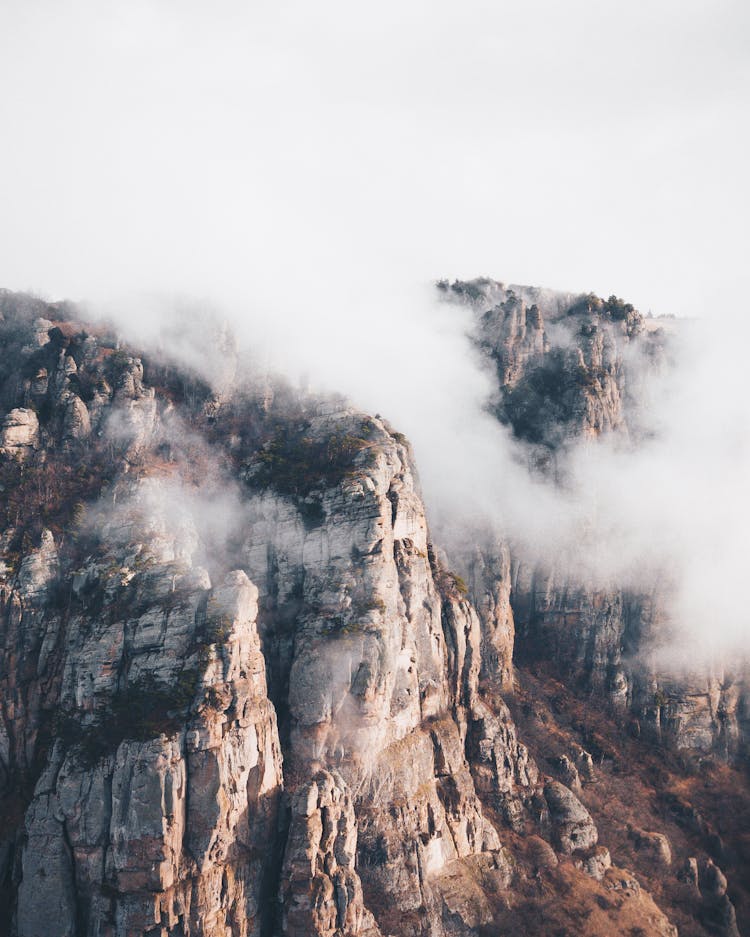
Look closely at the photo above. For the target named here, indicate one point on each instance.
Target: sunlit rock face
(161, 785)
(20, 433)
(240, 694)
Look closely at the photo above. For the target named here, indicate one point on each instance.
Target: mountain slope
(241, 692)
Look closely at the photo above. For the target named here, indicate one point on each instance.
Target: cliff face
(572, 367)
(239, 692)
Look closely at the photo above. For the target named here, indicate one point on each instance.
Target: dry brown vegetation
(700, 804)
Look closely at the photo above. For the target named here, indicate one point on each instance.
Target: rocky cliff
(242, 692)
(572, 367)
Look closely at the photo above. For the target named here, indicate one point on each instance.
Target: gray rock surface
(570, 367)
(571, 822)
(19, 434)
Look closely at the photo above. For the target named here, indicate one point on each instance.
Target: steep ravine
(241, 694)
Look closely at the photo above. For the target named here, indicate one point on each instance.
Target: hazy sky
(247, 148)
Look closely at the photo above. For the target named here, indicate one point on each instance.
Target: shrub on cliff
(617, 308)
(541, 407)
(143, 710)
(297, 464)
(47, 493)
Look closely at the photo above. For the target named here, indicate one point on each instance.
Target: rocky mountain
(572, 367)
(243, 692)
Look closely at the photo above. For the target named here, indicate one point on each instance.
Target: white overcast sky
(215, 147)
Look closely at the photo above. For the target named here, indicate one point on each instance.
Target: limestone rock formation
(655, 845)
(571, 367)
(321, 891)
(572, 824)
(142, 746)
(20, 433)
(144, 817)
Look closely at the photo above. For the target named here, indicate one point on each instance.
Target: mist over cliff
(658, 503)
(346, 590)
(314, 177)
(234, 638)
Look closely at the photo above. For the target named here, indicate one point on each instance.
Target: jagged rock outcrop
(718, 908)
(20, 433)
(382, 671)
(583, 631)
(655, 845)
(321, 892)
(146, 819)
(489, 581)
(566, 368)
(572, 367)
(559, 358)
(571, 822)
(142, 743)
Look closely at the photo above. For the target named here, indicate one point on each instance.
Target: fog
(304, 173)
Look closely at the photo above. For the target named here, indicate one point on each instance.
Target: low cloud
(668, 510)
(304, 174)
